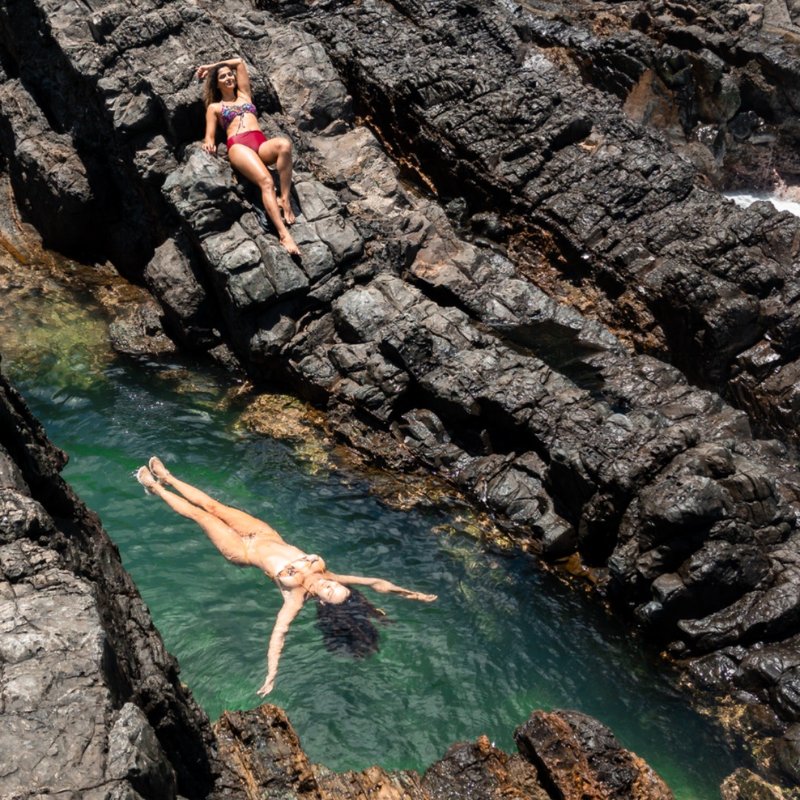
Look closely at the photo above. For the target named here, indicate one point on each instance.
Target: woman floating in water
(249, 541)
(229, 104)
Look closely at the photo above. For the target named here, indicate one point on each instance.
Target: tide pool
(504, 638)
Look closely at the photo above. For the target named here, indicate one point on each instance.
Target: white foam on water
(745, 199)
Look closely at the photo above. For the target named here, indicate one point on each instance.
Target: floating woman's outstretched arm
(292, 603)
(381, 585)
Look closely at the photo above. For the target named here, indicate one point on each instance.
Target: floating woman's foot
(145, 477)
(290, 245)
(158, 469)
(286, 207)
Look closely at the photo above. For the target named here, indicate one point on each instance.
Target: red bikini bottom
(251, 139)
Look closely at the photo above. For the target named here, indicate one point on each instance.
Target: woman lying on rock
(229, 104)
(248, 541)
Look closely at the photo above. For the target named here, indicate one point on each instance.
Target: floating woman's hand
(266, 688)
(409, 594)
(202, 71)
(425, 598)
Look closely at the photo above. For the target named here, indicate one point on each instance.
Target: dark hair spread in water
(349, 628)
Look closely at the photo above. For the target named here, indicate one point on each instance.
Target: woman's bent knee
(265, 181)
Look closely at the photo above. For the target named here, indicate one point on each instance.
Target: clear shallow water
(503, 639)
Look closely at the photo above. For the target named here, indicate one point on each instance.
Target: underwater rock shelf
(418, 324)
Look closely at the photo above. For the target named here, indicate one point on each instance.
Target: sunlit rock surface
(562, 754)
(91, 702)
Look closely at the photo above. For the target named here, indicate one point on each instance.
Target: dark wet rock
(174, 277)
(577, 757)
(745, 785)
(787, 750)
(48, 175)
(716, 672)
(261, 750)
(480, 770)
(140, 331)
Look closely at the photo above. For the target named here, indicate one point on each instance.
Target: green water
(503, 639)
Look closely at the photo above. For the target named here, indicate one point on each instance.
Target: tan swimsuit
(293, 573)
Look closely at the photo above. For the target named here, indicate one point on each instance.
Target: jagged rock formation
(554, 160)
(428, 348)
(562, 754)
(91, 701)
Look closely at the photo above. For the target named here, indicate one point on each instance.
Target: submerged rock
(745, 785)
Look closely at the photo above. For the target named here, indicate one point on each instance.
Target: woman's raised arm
(237, 63)
(292, 603)
(381, 585)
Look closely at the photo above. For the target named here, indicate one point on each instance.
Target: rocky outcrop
(578, 757)
(718, 78)
(91, 702)
(423, 326)
(745, 785)
(562, 754)
(578, 187)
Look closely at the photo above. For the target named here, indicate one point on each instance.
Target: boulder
(577, 758)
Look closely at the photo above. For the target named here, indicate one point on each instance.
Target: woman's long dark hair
(211, 91)
(349, 628)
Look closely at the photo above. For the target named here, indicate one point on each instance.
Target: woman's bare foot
(286, 207)
(290, 244)
(158, 469)
(145, 477)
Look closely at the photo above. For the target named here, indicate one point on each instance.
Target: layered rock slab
(686, 274)
(262, 749)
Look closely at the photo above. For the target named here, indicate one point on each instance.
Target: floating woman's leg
(242, 523)
(253, 168)
(225, 538)
(278, 151)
